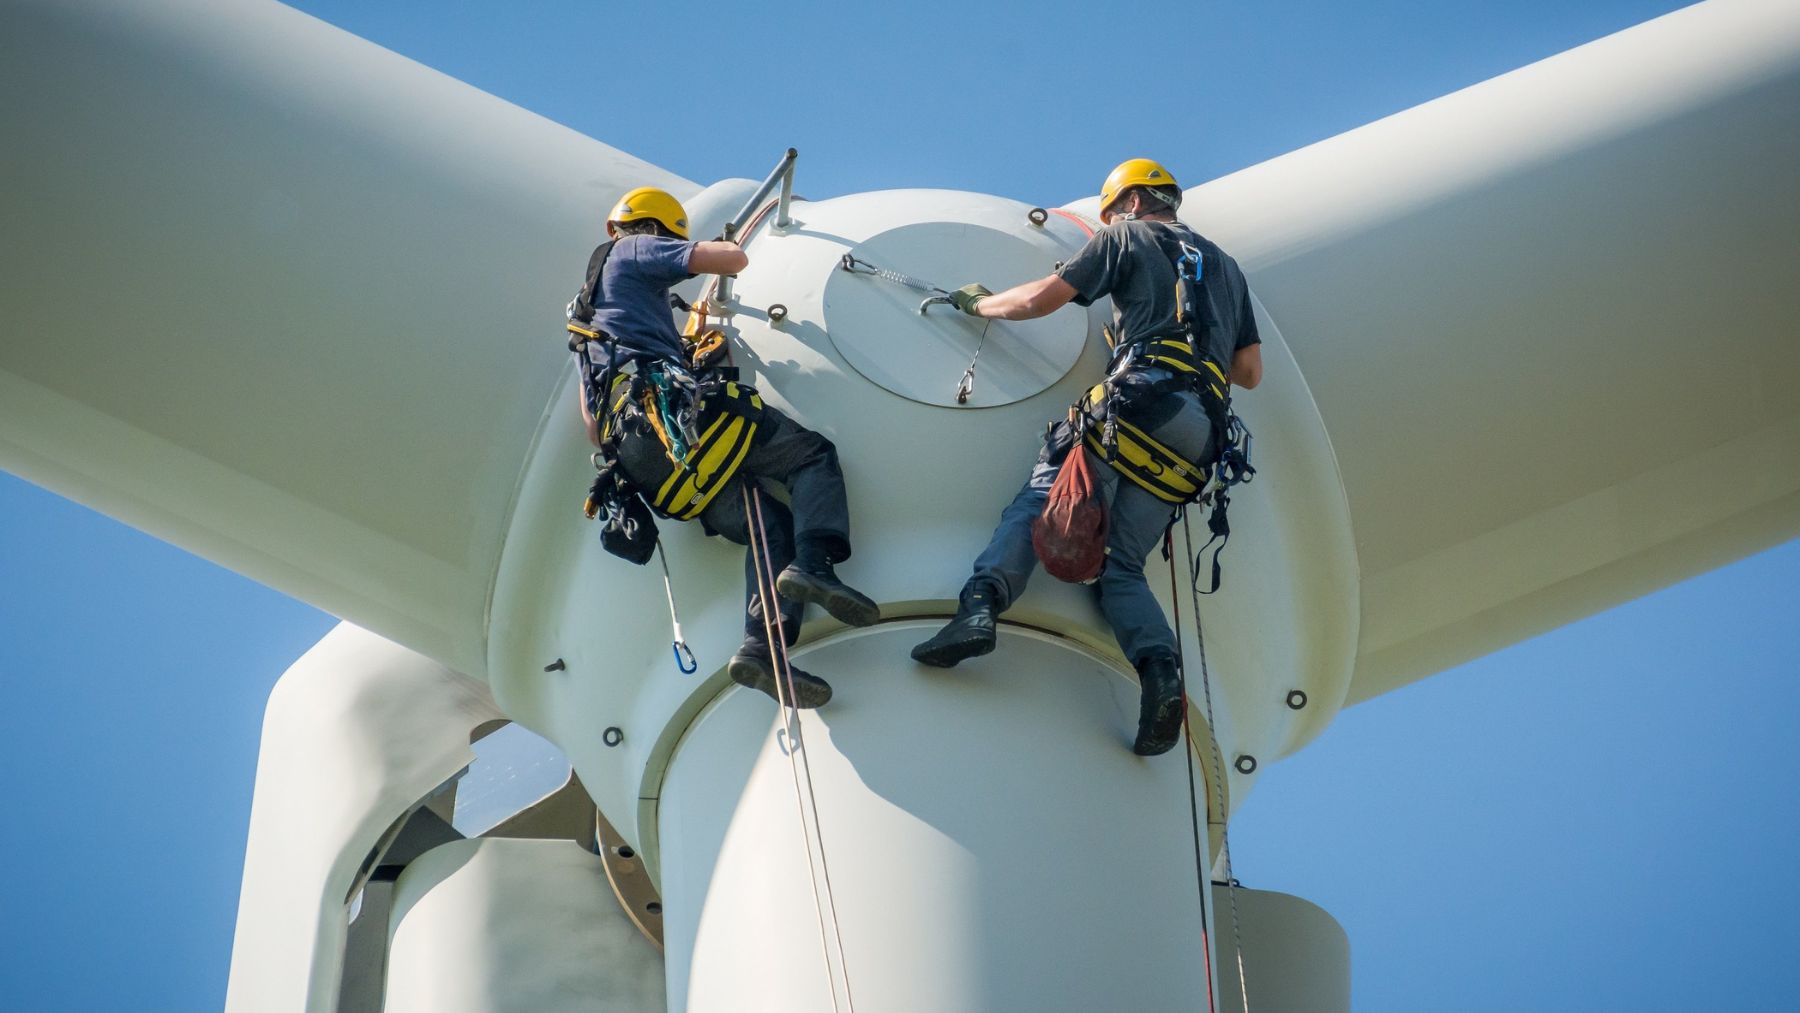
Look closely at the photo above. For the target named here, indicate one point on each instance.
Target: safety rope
(1201, 879)
(776, 632)
(1224, 823)
(684, 657)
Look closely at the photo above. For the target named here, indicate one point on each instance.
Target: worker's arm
(717, 256)
(588, 422)
(1246, 366)
(1029, 301)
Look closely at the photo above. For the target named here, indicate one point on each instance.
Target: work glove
(966, 297)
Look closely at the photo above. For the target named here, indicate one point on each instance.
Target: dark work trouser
(818, 522)
(1136, 521)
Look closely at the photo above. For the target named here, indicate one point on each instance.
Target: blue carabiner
(684, 658)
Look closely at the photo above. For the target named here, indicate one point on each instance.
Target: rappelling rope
(1201, 879)
(775, 630)
(1237, 936)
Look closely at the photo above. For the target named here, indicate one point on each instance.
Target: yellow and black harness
(699, 458)
(1140, 457)
(703, 422)
(1134, 453)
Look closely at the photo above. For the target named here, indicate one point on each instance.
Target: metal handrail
(782, 174)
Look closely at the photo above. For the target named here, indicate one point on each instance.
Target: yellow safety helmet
(649, 202)
(1129, 173)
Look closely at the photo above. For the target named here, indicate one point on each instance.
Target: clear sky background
(1599, 819)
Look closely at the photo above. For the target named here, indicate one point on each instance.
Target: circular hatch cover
(876, 325)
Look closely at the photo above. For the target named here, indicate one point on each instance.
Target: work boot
(754, 667)
(1160, 707)
(969, 634)
(817, 583)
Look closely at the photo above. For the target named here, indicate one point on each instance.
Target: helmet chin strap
(1169, 205)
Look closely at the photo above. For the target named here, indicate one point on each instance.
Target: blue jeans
(1136, 519)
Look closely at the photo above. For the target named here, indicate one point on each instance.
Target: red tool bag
(1070, 535)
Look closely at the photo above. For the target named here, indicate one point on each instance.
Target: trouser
(1136, 521)
(814, 526)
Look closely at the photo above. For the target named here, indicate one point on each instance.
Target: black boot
(969, 634)
(814, 581)
(754, 667)
(1160, 707)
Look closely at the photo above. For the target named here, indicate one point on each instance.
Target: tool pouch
(1069, 536)
(627, 528)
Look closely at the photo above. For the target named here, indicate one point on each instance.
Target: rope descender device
(684, 657)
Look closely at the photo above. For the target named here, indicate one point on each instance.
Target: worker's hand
(966, 297)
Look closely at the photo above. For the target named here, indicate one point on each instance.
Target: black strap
(582, 309)
(1220, 526)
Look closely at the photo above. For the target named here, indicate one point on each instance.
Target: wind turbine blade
(285, 298)
(1550, 322)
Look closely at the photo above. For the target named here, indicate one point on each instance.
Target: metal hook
(965, 386)
(684, 658)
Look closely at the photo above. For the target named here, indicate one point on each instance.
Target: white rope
(1237, 938)
(784, 695)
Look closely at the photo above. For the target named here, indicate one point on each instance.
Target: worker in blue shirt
(690, 442)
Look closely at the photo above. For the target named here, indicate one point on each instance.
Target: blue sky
(1598, 819)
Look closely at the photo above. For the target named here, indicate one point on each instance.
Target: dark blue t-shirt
(632, 304)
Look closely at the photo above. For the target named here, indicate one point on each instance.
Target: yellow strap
(1173, 462)
(662, 495)
(656, 423)
(716, 466)
(1151, 465)
(716, 457)
(725, 474)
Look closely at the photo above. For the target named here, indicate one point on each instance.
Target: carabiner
(684, 658)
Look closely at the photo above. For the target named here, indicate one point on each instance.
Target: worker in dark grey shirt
(1130, 260)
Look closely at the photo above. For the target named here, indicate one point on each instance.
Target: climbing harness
(1138, 456)
(1218, 762)
(684, 657)
(934, 295)
(1135, 454)
(775, 630)
(699, 470)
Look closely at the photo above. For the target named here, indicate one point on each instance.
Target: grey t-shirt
(1129, 261)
